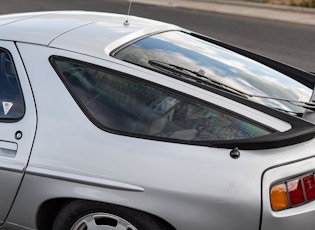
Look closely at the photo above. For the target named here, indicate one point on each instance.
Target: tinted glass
(127, 105)
(219, 64)
(11, 99)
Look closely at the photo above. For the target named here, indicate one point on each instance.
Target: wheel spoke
(120, 227)
(123, 225)
(90, 223)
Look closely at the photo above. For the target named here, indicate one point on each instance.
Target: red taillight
(309, 186)
(295, 192)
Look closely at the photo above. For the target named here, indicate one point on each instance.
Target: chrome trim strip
(75, 178)
(138, 35)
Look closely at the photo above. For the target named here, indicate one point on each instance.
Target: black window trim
(13, 120)
(301, 130)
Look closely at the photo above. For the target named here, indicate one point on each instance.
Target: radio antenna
(126, 23)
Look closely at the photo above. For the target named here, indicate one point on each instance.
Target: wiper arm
(303, 104)
(194, 75)
(200, 78)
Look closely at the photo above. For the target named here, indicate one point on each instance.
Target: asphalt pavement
(290, 14)
(291, 43)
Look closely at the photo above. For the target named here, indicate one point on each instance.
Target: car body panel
(180, 208)
(187, 185)
(14, 154)
(42, 28)
(107, 35)
(61, 118)
(11, 18)
(58, 29)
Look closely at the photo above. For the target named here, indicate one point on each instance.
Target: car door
(17, 124)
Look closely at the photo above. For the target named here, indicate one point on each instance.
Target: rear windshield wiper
(199, 77)
(302, 104)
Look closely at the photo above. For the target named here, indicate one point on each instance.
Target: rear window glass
(215, 63)
(124, 104)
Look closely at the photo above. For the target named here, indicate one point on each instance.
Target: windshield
(219, 64)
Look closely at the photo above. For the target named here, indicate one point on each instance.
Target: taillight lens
(309, 186)
(279, 198)
(293, 192)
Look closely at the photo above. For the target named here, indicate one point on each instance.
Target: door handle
(8, 149)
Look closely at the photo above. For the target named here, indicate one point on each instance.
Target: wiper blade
(201, 78)
(194, 75)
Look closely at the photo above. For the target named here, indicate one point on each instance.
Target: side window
(11, 99)
(124, 104)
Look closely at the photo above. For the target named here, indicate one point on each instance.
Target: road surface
(290, 43)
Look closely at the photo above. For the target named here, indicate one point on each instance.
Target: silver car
(116, 123)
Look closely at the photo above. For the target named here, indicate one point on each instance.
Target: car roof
(92, 33)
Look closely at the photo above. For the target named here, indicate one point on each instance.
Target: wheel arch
(49, 210)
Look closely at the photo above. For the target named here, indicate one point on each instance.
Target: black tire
(105, 214)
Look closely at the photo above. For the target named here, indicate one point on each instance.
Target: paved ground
(248, 9)
(290, 43)
(284, 33)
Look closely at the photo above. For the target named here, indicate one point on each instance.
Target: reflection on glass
(11, 99)
(126, 105)
(219, 64)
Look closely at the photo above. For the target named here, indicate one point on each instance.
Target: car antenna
(126, 23)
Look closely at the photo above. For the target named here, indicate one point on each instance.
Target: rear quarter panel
(191, 187)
